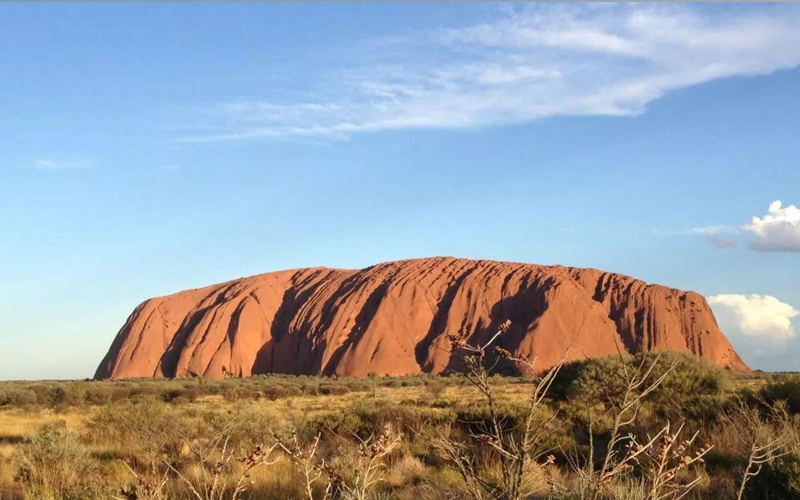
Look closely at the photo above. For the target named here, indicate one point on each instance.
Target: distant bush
(185, 394)
(784, 389)
(98, 394)
(13, 396)
(435, 388)
(293, 391)
(61, 395)
(249, 426)
(359, 386)
(340, 422)
(333, 390)
(310, 389)
(239, 393)
(274, 392)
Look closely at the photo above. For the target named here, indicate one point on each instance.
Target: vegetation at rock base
(643, 427)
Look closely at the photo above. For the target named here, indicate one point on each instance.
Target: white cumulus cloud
(778, 231)
(761, 317)
(522, 64)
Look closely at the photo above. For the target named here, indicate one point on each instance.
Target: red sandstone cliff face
(392, 319)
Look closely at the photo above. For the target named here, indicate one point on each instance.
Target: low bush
(274, 392)
(692, 390)
(144, 424)
(17, 397)
(144, 435)
(55, 465)
(98, 394)
(239, 393)
(778, 480)
(333, 390)
(786, 388)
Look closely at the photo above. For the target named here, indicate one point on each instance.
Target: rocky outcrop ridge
(393, 319)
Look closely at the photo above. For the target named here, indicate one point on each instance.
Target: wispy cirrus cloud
(524, 64)
(59, 164)
(722, 242)
(718, 236)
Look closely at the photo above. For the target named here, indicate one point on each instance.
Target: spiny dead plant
(315, 470)
(639, 381)
(663, 459)
(224, 475)
(516, 448)
(369, 464)
(364, 474)
(766, 439)
(146, 486)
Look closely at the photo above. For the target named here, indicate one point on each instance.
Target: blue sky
(145, 149)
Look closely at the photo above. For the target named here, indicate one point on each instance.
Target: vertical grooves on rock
(437, 326)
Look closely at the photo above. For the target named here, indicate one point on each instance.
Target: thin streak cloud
(59, 164)
(526, 64)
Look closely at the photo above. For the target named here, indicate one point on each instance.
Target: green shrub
(332, 390)
(343, 423)
(274, 392)
(17, 397)
(180, 400)
(142, 423)
(76, 393)
(784, 389)
(54, 465)
(694, 389)
(778, 480)
(310, 389)
(293, 391)
(239, 393)
(359, 386)
(55, 396)
(97, 394)
(248, 427)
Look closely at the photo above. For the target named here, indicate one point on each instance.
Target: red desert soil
(393, 319)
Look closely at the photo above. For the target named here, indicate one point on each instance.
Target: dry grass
(16, 426)
(410, 471)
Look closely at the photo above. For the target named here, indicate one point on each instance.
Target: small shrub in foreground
(55, 465)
